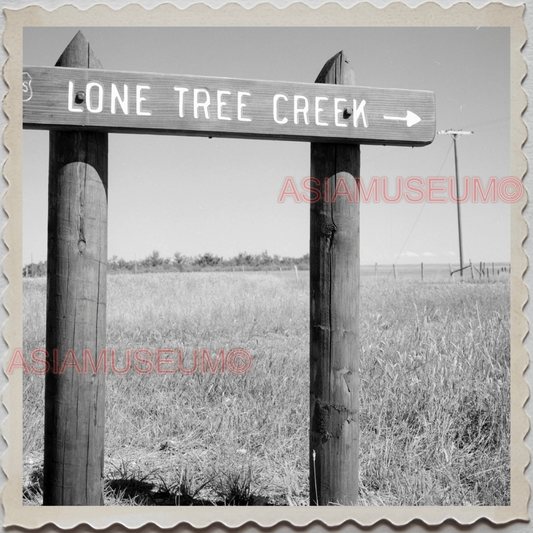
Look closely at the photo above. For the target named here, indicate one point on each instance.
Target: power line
(455, 135)
(422, 209)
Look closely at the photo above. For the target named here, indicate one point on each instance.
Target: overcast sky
(196, 195)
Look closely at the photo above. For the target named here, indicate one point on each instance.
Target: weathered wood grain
(334, 316)
(76, 307)
(166, 104)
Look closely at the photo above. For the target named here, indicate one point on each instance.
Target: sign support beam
(76, 308)
(334, 315)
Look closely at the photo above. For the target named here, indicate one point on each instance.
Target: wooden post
(334, 310)
(376, 271)
(296, 271)
(471, 269)
(422, 271)
(76, 307)
(394, 271)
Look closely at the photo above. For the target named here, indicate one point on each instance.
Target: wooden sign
(131, 102)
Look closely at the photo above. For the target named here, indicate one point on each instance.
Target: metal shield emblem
(27, 92)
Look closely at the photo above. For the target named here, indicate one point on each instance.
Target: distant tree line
(34, 270)
(154, 262)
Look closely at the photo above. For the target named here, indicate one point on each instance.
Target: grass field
(435, 405)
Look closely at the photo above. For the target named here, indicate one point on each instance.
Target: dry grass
(435, 404)
(434, 400)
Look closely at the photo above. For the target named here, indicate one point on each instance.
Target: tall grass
(434, 400)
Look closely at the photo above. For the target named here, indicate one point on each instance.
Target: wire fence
(436, 272)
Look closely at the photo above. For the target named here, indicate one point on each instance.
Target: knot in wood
(329, 419)
(82, 245)
(348, 112)
(329, 230)
(80, 97)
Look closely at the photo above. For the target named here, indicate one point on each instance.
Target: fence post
(422, 270)
(394, 271)
(76, 307)
(334, 313)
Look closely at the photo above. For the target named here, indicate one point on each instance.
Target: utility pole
(455, 134)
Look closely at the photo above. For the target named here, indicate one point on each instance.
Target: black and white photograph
(268, 266)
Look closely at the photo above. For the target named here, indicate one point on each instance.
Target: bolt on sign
(133, 102)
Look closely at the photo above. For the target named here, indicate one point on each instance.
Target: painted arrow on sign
(168, 104)
(411, 118)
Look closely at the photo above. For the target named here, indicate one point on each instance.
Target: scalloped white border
(394, 14)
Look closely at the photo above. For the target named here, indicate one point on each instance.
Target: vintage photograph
(208, 253)
(267, 266)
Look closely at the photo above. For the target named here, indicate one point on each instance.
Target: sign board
(133, 102)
